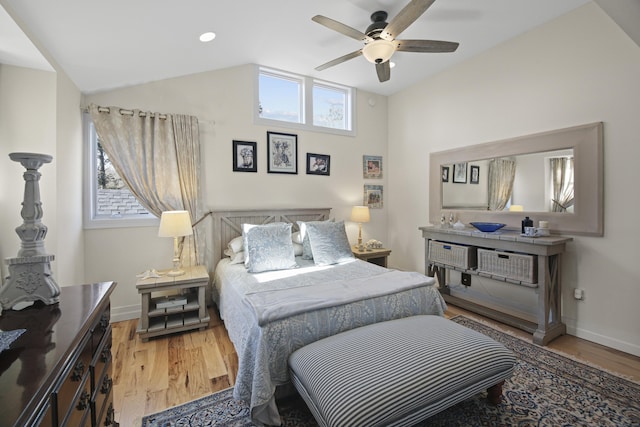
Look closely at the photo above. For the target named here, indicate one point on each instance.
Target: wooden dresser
(58, 373)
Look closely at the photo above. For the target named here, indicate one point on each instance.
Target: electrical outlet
(578, 294)
(465, 279)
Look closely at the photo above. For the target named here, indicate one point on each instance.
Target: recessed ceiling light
(207, 37)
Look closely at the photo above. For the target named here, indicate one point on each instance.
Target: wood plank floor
(167, 371)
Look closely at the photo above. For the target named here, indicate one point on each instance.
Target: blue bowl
(488, 227)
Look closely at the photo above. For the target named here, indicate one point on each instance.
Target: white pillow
(268, 247)
(329, 242)
(297, 249)
(236, 257)
(297, 237)
(236, 244)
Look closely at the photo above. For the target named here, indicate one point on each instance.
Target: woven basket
(509, 265)
(455, 255)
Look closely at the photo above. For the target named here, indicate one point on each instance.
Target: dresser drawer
(101, 359)
(107, 416)
(79, 410)
(76, 381)
(99, 330)
(103, 392)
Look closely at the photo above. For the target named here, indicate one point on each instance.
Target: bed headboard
(228, 224)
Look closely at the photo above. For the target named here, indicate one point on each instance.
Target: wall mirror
(466, 181)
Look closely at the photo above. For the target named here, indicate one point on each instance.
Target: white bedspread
(270, 315)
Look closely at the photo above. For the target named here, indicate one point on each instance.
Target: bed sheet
(263, 351)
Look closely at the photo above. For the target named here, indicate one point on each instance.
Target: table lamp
(175, 224)
(516, 208)
(360, 214)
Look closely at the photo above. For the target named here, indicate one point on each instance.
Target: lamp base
(174, 273)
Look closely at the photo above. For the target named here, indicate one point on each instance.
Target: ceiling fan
(380, 41)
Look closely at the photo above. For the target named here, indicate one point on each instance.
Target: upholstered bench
(397, 373)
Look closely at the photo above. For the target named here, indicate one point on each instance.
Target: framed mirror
(465, 181)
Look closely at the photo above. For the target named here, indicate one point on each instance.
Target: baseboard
(624, 346)
(128, 312)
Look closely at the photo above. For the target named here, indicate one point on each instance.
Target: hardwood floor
(168, 371)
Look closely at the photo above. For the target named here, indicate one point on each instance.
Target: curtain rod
(141, 114)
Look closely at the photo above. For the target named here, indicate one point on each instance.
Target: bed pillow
(236, 245)
(329, 242)
(268, 247)
(297, 249)
(307, 253)
(235, 257)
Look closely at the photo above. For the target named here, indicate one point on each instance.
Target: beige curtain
(158, 157)
(561, 183)
(502, 173)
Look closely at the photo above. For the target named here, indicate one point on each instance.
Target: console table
(59, 371)
(548, 251)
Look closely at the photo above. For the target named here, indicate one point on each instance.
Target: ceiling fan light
(378, 51)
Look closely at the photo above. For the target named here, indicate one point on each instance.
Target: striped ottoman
(397, 373)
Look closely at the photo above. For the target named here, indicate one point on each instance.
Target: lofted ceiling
(103, 45)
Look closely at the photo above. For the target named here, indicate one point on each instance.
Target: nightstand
(186, 309)
(374, 256)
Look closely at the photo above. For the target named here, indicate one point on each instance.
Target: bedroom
(503, 93)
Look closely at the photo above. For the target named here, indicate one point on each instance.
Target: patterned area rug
(546, 389)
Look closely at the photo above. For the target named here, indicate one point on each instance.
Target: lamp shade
(378, 51)
(360, 214)
(175, 224)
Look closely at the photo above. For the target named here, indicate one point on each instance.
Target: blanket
(272, 305)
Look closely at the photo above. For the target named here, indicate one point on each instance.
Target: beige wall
(222, 100)
(578, 69)
(39, 112)
(27, 124)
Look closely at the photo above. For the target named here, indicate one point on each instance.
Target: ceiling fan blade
(404, 18)
(384, 71)
(430, 46)
(340, 60)
(341, 28)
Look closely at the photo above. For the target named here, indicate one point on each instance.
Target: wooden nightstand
(192, 314)
(374, 256)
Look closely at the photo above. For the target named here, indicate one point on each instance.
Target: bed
(270, 313)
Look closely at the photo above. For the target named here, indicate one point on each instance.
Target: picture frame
(373, 196)
(460, 173)
(445, 173)
(282, 153)
(245, 157)
(372, 167)
(475, 175)
(318, 164)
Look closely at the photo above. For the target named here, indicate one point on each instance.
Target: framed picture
(245, 156)
(445, 173)
(318, 164)
(373, 196)
(460, 173)
(372, 167)
(475, 175)
(282, 153)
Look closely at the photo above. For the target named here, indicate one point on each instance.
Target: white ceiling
(107, 44)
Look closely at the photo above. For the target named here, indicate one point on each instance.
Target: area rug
(546, 389)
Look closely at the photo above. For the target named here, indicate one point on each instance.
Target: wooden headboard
(228, 224)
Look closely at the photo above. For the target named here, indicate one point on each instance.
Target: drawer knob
(83, 402)
(106, 385)
(78, 371)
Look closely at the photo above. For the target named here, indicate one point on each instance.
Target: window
(290, 100)
(108, 202)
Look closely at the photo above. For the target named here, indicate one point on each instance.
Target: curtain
(561, 183)
(502, 173)
(158, 157)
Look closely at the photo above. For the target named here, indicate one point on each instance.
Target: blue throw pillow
(329, 242)
(268, 247)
